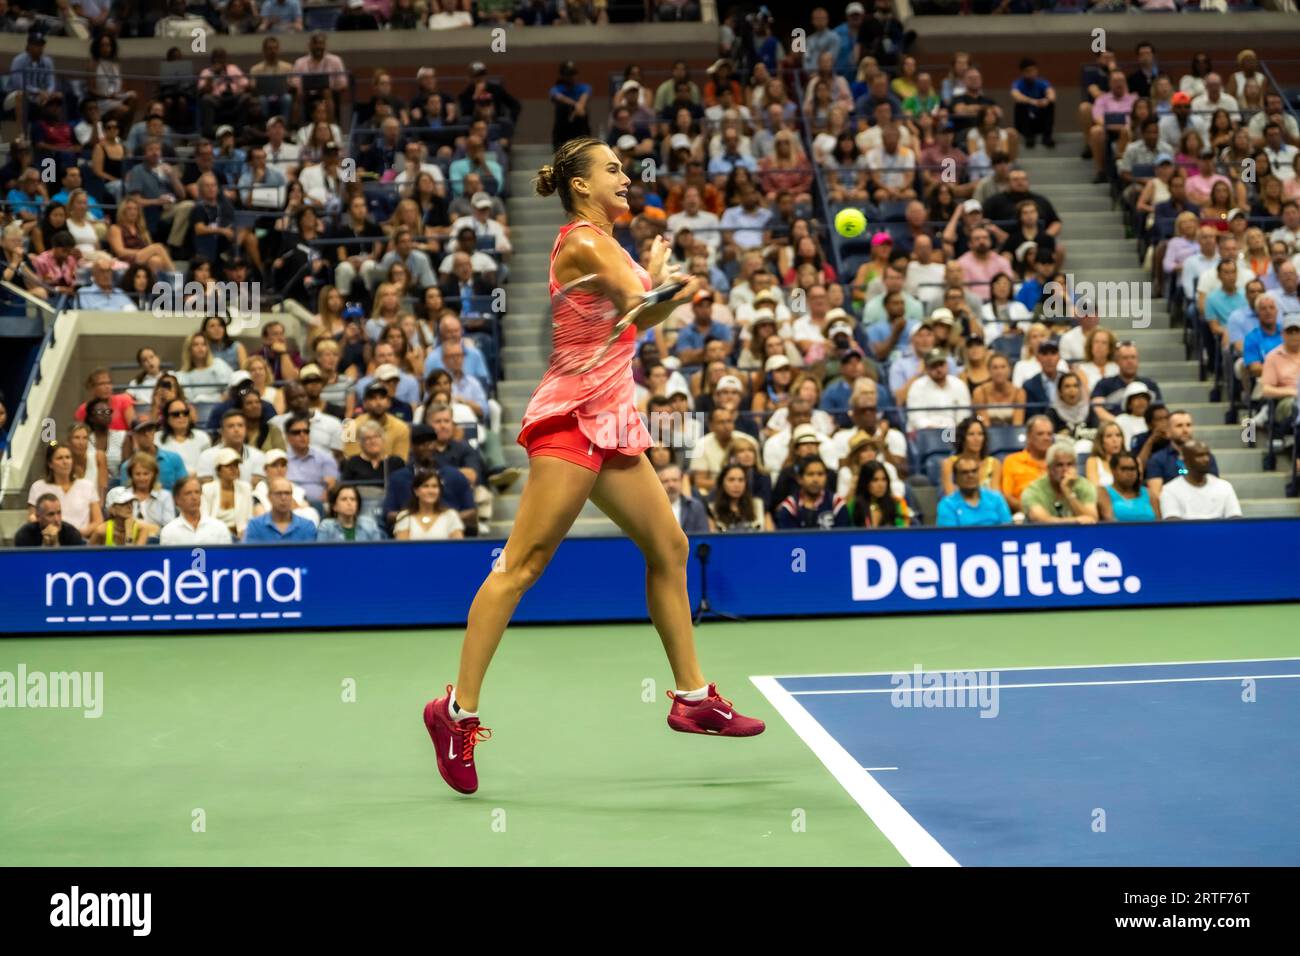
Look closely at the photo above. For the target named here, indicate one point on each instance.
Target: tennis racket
(585, 324)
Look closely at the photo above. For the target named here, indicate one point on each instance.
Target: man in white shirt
(746, 221)
(190, 526)
(1073, 342)
(234, 429)
(702, 223)
(892, 169)
(1214, 98)
(326, 430)
(280, 153)
(937, 400)
(1281, 155)
(709, 454)
(1198, 495)
(322, 183)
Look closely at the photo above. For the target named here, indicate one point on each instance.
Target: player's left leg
(629, 492)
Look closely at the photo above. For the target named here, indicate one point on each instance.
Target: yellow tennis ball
(850, 222)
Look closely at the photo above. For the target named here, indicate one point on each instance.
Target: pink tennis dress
(599, 405)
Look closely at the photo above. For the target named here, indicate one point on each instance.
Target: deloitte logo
(189, 594)
(876, 573)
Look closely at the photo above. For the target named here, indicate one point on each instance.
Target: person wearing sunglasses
(313, 469)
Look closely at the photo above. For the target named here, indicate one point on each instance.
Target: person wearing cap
(120, 528)
(692, 338)
(226, 496)
(484, 225)
(781, 449)
(234, 430)
(1281, 370)
(102, 295)
(1200, 184)
(142, 441)
(1132, 421)
(503, 104)
(1178, 121)
(32, 79)
(837, 395)
(281, 153)
(909, 364)
(936, 399)
(280, 523)
(356, 17)
(1108, 392)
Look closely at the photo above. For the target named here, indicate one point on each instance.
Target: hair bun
(545, 182)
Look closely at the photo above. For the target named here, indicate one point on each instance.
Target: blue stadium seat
(1004, 439)
(929, 445)
(1143, 170)
(893, 211)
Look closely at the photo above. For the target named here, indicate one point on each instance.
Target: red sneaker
(712, 715)
(454, 741)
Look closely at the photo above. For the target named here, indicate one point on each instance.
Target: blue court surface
(1172, 764)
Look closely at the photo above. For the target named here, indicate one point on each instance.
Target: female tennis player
(586, 441)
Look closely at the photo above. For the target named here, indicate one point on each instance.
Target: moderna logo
(190, 594)
(1035, 571)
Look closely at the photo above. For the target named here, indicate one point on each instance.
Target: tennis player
(585, 440)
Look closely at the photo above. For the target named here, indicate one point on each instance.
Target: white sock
(456, 711)
(699, 694)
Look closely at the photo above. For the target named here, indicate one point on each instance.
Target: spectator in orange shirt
(711, 196)
(636, 206)
(1020, 469)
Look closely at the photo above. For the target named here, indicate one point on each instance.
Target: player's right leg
(553, 496)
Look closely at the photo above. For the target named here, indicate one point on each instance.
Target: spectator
(78, 499)
(280, 523)
(277, 466)
(346, 523)
(971, 504)
(1020, 469)
(971, 443)
(733, 506)
(1126, 498)
(397, 434)
(1035, 105)
(314, 470)
(1179, 121)
(812, 505)
(318, 61)
(744, 223)
(170, 466)
(356, 17)
(709, 454)
(281, 16)
(936, 399)
(1198, 494)
(980, 263)
(873, 503)
(234, 430)
(203, 374)
(1281, 370)
(191, 526)
(32, 81)
(1061, 496)
(1109, 392)
(1110, 113)
(47, 529)
(121, 528)
(1167, 463)
(101, 295)
(56, 268)
(427, 517)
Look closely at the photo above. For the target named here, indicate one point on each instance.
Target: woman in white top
(87, 461)
(447, 16)
(141, 387)
(262, 379)
(1099, 348)
(427, 517)
(1108, 441)
(205, 377)
(1028, 366)
(1002, 313)
(77, 496)
(229, 498)
(178, 434)
(79, 223)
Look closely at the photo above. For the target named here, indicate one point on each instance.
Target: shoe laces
(470, 738)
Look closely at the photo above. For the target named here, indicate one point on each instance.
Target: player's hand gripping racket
(586, 324)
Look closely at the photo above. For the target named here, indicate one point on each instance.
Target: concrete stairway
(1097, 251)
(534, 222)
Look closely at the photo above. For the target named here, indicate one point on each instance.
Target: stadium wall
(297, 587)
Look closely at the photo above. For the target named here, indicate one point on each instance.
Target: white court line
(1042, 667)
(911, 840)
(1081, 683)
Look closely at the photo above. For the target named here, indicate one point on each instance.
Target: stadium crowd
(789, 393)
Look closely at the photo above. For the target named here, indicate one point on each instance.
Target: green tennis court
(254, 731)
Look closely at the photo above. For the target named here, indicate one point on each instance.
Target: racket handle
(662, 294)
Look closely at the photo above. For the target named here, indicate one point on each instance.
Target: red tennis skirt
(560, 437)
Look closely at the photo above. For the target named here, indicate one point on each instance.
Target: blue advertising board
(424, 584)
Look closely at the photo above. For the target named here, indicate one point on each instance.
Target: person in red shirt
(99, 384)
